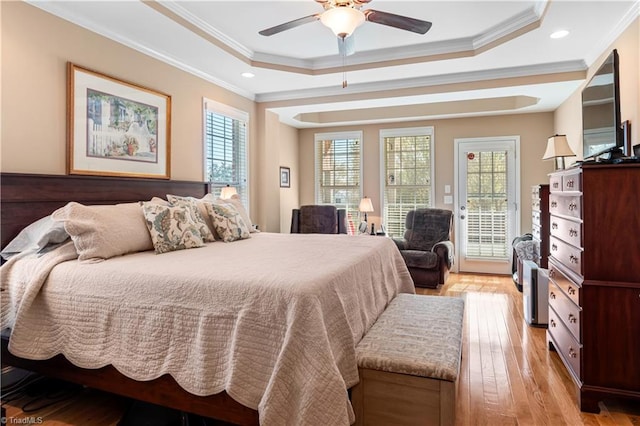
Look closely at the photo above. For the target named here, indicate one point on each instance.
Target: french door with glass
(487, 217)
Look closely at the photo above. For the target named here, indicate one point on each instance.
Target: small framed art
(285, 177)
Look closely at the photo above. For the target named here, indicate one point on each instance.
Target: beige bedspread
(273, 320)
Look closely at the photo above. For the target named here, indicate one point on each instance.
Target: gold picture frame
(116, 128)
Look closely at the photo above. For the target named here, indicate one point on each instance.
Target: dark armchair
(318, 220)
(426, 246)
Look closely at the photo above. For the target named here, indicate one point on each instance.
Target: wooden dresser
(594, 279)
(540, 220)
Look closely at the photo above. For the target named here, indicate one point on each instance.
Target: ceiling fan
(344, 16)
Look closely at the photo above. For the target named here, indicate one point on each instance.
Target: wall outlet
(447, 189)
(448, 199)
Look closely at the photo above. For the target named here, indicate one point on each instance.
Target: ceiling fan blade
(346, 46)
(288, 25)
(397, 21)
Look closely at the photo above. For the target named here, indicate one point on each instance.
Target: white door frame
(456, 167)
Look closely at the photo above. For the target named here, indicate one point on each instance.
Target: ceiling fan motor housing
(327, 4)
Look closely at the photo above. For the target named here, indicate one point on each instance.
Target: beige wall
(568, 117)
(35, 49)
(289, 158)
(533, 129)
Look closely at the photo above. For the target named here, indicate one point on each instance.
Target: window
(339, 170)
(225, 148)
(407, 173)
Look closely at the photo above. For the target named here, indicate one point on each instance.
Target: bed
(233, 333)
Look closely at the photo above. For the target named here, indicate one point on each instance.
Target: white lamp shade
(227, 192)
(365, 205)
(557, 146)
(342, 20)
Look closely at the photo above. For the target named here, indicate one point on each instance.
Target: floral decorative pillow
(192, 205)
(171, 227)
(228, 222)
(237, 203)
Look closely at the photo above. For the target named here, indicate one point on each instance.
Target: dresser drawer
(535, 204)
(568, 348)
(566, 205)
(535, 191)
(566, 310)
(571, 289)
(535, 231)
(555, 183)
(567, 230)
(535, 217)
(568, 255)
(572, 182)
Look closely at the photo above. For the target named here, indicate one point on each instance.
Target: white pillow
(171, 227)
(41, 236)
(228, 222)
(100, 232)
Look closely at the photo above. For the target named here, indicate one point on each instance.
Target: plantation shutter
(487, 205)
(338, 170)
(408, 167)
(225, 149)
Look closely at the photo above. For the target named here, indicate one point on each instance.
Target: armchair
(426, 247)
(318, 219)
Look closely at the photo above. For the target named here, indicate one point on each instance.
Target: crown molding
(517, 22)
(427, 81)
(423, 52)
(66, 14)
(175, 7)
(632, 14)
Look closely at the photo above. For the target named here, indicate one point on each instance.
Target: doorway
(487, 181)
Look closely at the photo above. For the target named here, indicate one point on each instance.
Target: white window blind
(407, 174)
(225, 148)
(338, 167)
(487, 205)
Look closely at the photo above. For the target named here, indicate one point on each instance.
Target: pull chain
(344, 60)
(344, 70)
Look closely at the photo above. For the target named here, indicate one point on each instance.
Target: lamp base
(555, 163)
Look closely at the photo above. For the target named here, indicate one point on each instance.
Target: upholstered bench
(409, 363)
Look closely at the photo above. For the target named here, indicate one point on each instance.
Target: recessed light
(559, 34)
(248, 74)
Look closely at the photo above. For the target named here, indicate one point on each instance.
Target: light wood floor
(508, 377)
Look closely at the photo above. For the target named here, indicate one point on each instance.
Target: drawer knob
(554, 247)
(552, 295)
(572, 291)
(572, 319)
(572, 352)
(570, 183)
(552, 273)
(552, 323)
(555, 184)
(554, 225)
(554, 204)
(573, 259)
(573, 232)
(572, 206)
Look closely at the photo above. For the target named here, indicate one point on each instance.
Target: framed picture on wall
(285, 177)
(116, 128)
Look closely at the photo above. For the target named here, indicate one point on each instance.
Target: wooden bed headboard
(25, 198)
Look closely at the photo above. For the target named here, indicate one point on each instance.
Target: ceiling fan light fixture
(342, 20)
